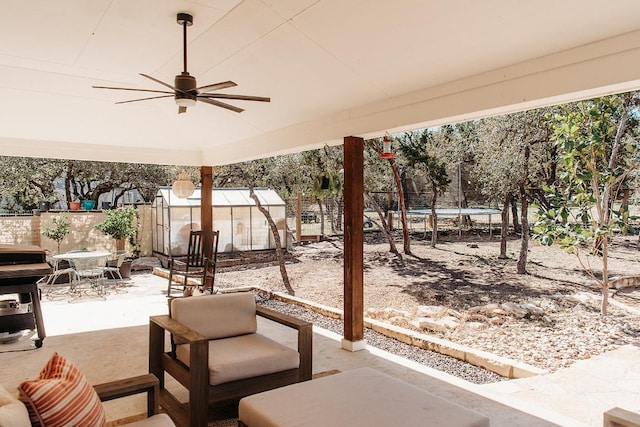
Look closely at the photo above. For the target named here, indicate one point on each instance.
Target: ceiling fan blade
(221, 104)
(182, 110)
(161, 82)
(241, 97)
(216, 86)
(144, 99)
(132, 89)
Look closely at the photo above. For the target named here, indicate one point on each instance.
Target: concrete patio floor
(108, 338)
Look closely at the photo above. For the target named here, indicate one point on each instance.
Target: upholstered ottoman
(360, 397)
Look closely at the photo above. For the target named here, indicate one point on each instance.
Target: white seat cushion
(244, 356)
(358, 398)
(159, 420)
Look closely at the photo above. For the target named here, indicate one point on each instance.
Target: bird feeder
(386, 148)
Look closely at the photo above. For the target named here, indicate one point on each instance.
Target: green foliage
(27, 181)
(498, 153)
(580, 208)
(595, 164)
(61, 226)
(119, 224)
(59, 229)
(425, 151)
(327, 184)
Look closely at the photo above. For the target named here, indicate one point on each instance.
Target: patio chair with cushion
(182, 271)
(62, 396)
(219, 356)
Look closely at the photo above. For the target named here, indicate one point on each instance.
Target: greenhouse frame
(241, 225)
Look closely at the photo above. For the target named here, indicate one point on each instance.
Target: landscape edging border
(503, 366)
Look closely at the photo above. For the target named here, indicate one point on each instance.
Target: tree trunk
(524, 239)
(504, 228)
(331, 207)
(403, 209)
(385, 225)
(514, 213)
(605, 277)
(624, 210)
(466, 219)
(340, 209)
(276, 239)
(524, 211)
(434, 229)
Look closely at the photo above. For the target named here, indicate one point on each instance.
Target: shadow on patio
(108, 339)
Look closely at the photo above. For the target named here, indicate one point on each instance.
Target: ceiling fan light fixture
(185, 102)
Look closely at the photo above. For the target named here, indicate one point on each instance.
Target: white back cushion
(12, 412)
(217, 316)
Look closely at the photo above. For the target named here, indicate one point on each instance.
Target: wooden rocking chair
(195, 265)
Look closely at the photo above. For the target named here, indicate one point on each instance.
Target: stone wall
(27, 230)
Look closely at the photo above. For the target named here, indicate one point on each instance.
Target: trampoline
(458, 212)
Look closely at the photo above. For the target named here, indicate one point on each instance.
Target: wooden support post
(206, 214)
(353, 244)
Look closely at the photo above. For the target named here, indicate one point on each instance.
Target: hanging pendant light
(386, 148)
(183, 187)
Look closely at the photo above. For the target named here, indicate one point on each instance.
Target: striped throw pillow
(61, 396)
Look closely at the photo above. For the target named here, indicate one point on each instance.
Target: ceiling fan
(185, 90)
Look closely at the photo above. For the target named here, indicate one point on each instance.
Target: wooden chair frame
(195, 264)
(195, 413)
(618, 417)
(146, 383)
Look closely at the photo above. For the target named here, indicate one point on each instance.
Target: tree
(120, 225)
(27, 181)
(511, 158)
(247, 173)
(421, 151)
(325, 167)
(597, 156)
(378, 190)
(327, 185)
(61, 226)
(376, 146)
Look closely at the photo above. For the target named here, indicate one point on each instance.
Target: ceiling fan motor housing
(186, 86)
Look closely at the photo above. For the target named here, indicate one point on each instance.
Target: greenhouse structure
(241, 225)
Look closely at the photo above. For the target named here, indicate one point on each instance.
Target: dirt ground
(464, 277)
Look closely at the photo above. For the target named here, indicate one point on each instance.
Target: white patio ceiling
(333, 68)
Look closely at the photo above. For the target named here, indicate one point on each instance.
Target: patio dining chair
(112, 268)
(91, 271)
(60, 268)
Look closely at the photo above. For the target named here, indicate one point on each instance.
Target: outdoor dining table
(87, 265)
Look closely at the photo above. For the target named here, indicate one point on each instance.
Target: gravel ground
(428, 358)
(463, 276)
